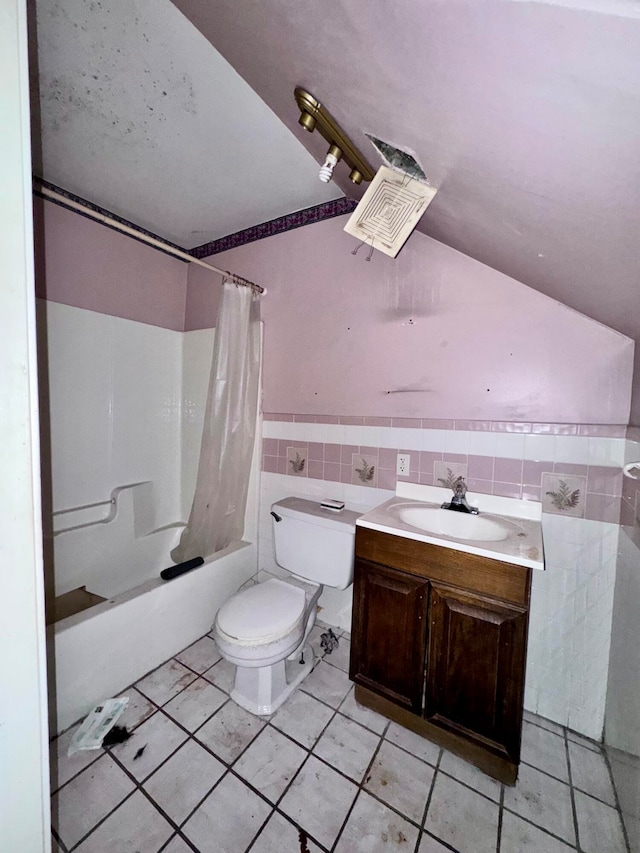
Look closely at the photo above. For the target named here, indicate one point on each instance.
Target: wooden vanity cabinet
(439, 645)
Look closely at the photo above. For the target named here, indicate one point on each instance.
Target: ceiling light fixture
(314, 116)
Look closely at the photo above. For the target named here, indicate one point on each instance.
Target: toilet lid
(264, 611)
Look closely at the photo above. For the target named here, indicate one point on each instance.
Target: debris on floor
(118, 734)
(139, 752)
(328, 641)
(97, 724)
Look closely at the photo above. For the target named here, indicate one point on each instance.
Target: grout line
(360, 788)
(500, 817)
(102, 820)
(537, 826)
(572, 794)
(618, 806)
(428, 800)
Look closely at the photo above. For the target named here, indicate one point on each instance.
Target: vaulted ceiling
(525, 116)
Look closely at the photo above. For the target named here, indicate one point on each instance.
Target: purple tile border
(317, 213)
(590, 430)
(103, 212)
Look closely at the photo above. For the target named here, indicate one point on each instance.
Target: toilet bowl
(263, 629)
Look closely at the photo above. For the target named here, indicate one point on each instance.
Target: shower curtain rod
(125, 229)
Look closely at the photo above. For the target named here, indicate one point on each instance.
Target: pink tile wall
(513, 478)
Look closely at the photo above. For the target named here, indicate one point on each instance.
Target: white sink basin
(456, 525)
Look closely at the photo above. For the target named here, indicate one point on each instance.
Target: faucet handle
(460, 487)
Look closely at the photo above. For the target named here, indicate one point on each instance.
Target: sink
(456, 525)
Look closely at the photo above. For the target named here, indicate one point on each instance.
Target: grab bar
(112, 503)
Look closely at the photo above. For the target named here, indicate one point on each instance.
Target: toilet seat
(262, 614)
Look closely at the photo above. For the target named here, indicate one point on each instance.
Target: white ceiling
(141, 115)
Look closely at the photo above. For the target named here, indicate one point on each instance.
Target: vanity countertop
(517, 522)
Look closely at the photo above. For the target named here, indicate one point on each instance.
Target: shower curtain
(217, 513)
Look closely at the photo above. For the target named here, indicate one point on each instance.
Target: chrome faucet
(459, 501)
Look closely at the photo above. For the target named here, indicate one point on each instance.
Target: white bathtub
(96, 654)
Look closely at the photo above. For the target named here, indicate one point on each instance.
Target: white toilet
(262, 629)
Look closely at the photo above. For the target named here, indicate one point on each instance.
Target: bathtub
(96, 654)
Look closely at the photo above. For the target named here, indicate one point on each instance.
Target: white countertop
(522, 519)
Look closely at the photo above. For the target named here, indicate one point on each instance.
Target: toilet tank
(314, 543)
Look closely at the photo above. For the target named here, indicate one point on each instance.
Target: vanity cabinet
(439, 645)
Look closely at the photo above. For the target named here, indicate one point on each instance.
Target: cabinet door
(475, 675)
(389, 633)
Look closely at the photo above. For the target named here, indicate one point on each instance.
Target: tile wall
(576, 470)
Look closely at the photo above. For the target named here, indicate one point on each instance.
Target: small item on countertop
(334, 506)
(328, 641)
(118, 734)
(97, 724)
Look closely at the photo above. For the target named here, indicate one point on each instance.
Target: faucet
(459, 501)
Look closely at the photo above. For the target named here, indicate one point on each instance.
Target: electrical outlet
(402, 464)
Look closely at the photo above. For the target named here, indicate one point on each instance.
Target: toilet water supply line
(41, 189)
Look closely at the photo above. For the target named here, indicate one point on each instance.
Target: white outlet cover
(403, 464)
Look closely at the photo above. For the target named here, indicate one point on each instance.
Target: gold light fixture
(313, 116)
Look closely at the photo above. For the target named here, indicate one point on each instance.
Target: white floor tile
(373, 828)
(223, 675)
(319, 800)
(279, 836)
(202, 655)
(165, 682)
(428, 844)
(327, 683)
(599, 826)
(400, 780)
(230, 731)
(462, 817)
(88, 798)
(518, 836)
(590, 773)
(177, 845)
(593, 745)
(195, 704)
(182, 781)
(303, 718)
(544, 750)
(546, 724)
(135, 827)
(626, 775)
(64, 767)
(363, 715)
(270, 763)
(228, 819)
(413, 743)
(470, 775)
(340, 656)
(159, 736)
(632, 825)
(542, 800)
(138, 710)
(347, 746)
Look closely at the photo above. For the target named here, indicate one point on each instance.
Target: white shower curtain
(217, 513)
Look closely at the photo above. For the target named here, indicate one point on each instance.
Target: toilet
(263, 629)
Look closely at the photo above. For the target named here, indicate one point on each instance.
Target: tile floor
(323, 774)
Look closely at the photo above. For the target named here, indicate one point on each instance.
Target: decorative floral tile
(297, 461)
(564, 494)
(364, 470)
(445, 474)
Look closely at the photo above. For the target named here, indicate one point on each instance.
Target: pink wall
(431, 334)
(635, 395)
(82, 263)
(203, 297)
